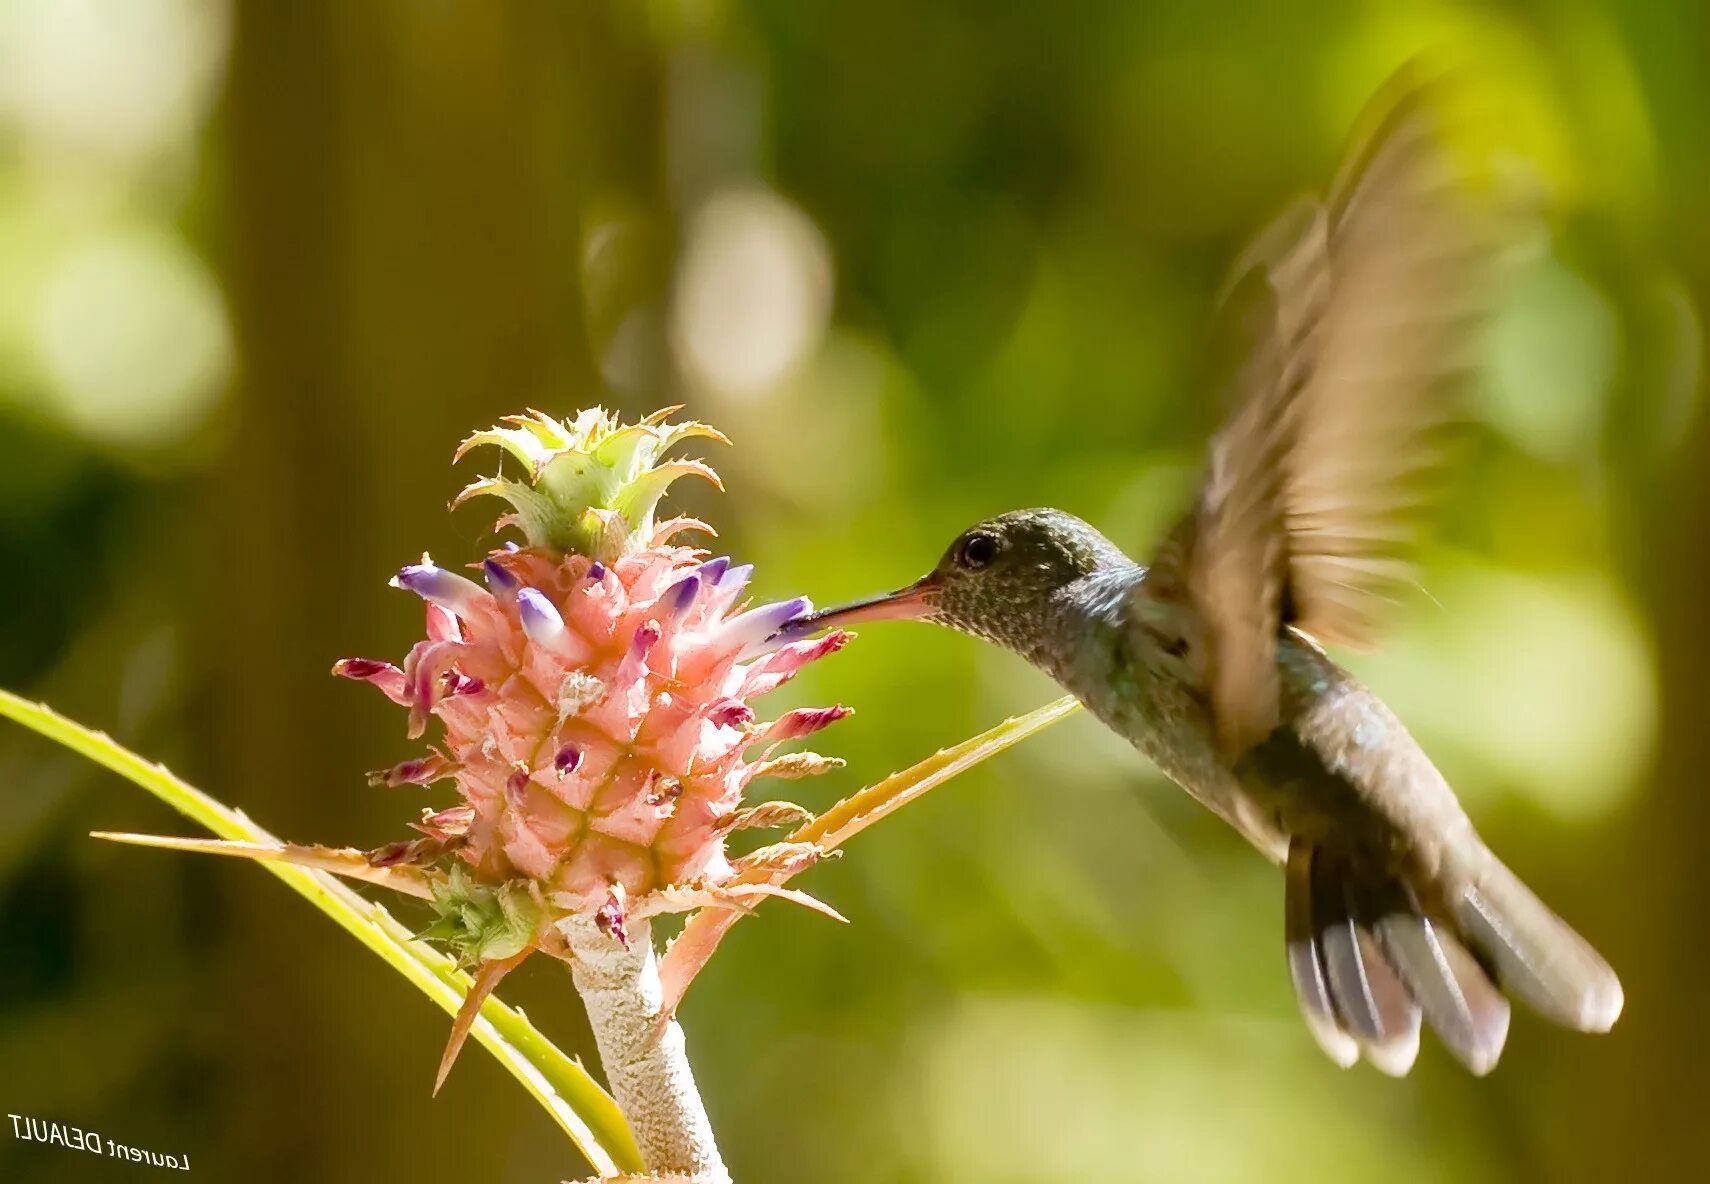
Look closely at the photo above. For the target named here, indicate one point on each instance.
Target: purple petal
(499, 579)
(736, 578)
(713, 570)
(438, 586)
(540, 619)
(596, 572)
(567, 760)
(751, 630)
(679, 598)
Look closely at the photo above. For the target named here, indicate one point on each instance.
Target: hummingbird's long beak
(917, 600)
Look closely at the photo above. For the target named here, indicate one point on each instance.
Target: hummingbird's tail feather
(1353, 999)
(1465, 1009)
(1306, 961)
(1368, 964)
(1534, 954)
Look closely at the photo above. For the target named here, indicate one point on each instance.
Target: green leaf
(574, 1100)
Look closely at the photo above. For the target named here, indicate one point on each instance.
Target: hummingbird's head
(996, 579)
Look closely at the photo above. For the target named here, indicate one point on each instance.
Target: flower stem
(643, 1050)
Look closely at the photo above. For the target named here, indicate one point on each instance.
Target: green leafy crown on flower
(593, 483)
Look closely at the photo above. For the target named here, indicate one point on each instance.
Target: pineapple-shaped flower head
(595, 690)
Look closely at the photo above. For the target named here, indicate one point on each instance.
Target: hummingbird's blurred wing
(1354, 317)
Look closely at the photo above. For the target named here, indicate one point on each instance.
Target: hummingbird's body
(1129, 685)
(1339, 761)
(1356, 314)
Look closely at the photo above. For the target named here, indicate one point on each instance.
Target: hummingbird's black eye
(977, 550)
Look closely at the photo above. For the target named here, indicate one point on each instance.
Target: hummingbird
(1353, 319)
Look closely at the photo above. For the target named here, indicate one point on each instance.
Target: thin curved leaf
(849, 817)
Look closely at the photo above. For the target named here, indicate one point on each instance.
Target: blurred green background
(263, 264)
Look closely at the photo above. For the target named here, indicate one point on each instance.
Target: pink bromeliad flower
(595, 689)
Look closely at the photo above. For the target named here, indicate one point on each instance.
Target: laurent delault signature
(39, 1130)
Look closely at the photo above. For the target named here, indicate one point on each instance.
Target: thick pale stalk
(643, 1051)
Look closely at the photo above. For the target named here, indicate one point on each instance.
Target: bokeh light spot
(754, 292)
(131, 336)
(1553, 351)
(116, 81)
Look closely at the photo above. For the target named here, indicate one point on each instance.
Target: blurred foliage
(264, 264)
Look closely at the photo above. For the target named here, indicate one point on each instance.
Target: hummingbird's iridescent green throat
(1355, 318)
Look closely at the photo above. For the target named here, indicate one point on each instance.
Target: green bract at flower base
(481, 924)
